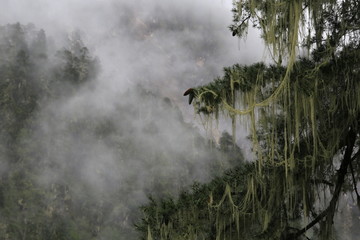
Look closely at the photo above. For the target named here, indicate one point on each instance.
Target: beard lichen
(299, 114)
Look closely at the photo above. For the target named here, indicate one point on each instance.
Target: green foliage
(53, 184)
(27, 211)
(196, 214)
(303, 118)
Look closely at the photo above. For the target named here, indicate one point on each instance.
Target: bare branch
(330, 210)
(354, 181)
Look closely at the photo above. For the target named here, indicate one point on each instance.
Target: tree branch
(354, 181)
(351, 138)
(323, 181)
(330, 210)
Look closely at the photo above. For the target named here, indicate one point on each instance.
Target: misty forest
(195, 120)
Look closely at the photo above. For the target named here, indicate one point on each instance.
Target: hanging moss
(312, 95)
(299, 114)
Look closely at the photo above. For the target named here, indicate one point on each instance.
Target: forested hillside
(87, 155)
(74, 169)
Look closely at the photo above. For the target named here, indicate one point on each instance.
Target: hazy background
(149, 52)
(164, 46)
(176, 44)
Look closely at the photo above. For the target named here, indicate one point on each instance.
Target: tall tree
(304, 116)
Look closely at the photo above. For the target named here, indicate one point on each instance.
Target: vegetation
(27, 81)
(304, 122)
(63, 173)
(79, 173)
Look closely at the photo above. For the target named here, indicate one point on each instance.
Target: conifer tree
(303, 115)
(303, 112)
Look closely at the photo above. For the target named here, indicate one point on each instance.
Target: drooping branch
(310, 225)
(342, 173)
(235, 30)
(354, 181)
(322, 181)
(330, 210)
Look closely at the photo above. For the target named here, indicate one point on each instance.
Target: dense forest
(75, 167)
(63, 171)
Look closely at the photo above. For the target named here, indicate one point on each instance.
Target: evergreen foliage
(53, 184)
(304, 122)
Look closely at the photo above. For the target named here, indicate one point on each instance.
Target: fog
(149, 53)
(143, 138)
(166, 46)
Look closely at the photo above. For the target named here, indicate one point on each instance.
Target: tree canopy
(303, 113)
